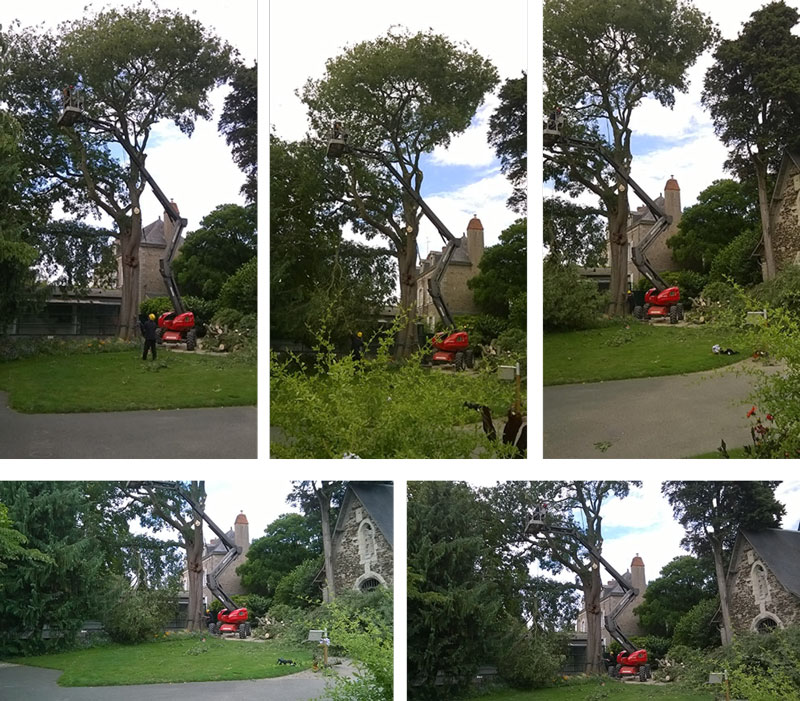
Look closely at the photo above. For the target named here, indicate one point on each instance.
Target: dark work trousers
(149, 345)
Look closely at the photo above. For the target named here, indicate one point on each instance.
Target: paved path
(657, 417)
(225, 432)
(18, 682)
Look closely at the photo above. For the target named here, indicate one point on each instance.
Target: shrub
(518, 314)
(736, 261)
(240, 290)
(136, 615)
(531, 658)
(482, 327)
(689, 282)
(298, 588)
(569, 302)
(232, 330)
(694, 629)
(781, 291)
(17, 347)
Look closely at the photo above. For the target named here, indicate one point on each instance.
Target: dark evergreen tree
(508, 134)
(239, 123)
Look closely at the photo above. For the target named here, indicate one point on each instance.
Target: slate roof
(780, 551)
(215, 545)
(153, 234)
(378, 499)
(644, 214)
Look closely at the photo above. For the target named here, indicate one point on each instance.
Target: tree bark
(763, 207)
(327, 543)
(727, 628)
(594, 621)
(194, 565)
(407, 269)
(618, 240)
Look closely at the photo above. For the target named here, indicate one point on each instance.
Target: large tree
(136, 67)
(602, 58)
(573, 233)
(724, 210)
(508, 134)
(225, 240)
(403, 95)
(239, 123)
(288, 541)
(682, 583)
(576, 504)
(712, 514)
(753, 93)
(72, 254)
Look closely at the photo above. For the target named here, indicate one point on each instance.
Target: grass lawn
(608, 690)
(615, 352)
(177, 660)
(121, 381)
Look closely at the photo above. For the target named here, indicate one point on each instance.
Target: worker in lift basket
(149, 332)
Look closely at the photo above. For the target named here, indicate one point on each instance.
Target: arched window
(368, 585)
(366, 542)
(760, 585)
(766, 625)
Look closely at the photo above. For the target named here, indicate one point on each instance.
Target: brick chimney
(672, 202)
(475, 241)
(241, 533)
(638, 580)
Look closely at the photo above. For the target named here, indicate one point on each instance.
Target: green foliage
(18, 347)
(573, 233)
(724, 210)
(211, 254)
(72, 252)
(508, 135)
(532, 658)
(483, 328)
(287, 542)
(736, 260)
(694, 628)
(239, 123)
(13, 545)
(683, 582)
(240, 290)
(503, 267)
(136, 615)
(569, 302)
(365, 635)
(298, 587)
(783, 290)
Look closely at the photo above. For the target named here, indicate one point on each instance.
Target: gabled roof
(378, 499)
(153, 234)
(780, 551)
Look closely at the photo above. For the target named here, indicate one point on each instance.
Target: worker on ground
(149, 332)
(358, 346)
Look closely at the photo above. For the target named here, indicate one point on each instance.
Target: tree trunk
(407, 269)
(594, 622)
(194, 565)
(727, 629)
(763, 207)
(327, 543)
(618, 240)
(130, 238)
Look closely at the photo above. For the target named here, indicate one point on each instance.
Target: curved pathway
(36, 684)
(221, 432)
(677, 416)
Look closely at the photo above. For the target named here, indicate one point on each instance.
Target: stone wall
(786, 227)
(457, 295)
(151, 284)
(362, 553)
(756, 594)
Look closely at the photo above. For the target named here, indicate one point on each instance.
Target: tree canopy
(402, 94)
(601, 59)
(225, 240)
(753, 94)
(239, 123)
(508, 134)
(573, 233)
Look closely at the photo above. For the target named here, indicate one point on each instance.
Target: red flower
(751, 412)
(770, 417)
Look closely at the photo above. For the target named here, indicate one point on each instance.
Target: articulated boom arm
(212, 578)
(552, 135)
(73, 113)
(537, 525)
(337, 145)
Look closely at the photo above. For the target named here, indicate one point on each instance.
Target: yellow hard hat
(359, 334)
(152, 317)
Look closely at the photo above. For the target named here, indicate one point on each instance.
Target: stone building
(363, 538)
(463, 265)
(763, 580)
(641, 221)
(784, 213)
(609, 598)
(156, 238)
(215, 550)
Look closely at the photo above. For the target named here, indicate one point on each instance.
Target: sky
(460, 181)
(680, 142)
(198, 173)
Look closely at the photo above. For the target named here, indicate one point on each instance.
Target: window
(760, 584)
(366, 542)
(766, 625)
(369, 585)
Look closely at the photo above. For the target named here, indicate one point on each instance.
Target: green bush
(781, 291)
(232, 330)
(689, 282)
(155, 305)
(569, 302)
(240, 290)
(17, 347)
(202, 309)
(298, 588)
(136, 615)
(694, 629)
(518, 314)
(737, 262)
(482, 328)
(531, 658)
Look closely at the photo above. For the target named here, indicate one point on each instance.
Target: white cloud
(471, 148)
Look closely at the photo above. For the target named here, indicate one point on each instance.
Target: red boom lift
(631, 662)
(452, 346)
(661, 300)
(176, 326)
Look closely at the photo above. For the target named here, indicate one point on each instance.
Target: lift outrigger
(178, 325)
(631, 662)
(662, 300)
(452, 346)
